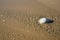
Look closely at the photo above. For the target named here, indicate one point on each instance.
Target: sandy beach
(19, 20)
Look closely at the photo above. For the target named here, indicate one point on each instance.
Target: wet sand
(19, 20)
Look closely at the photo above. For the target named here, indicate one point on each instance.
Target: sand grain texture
(20, 22)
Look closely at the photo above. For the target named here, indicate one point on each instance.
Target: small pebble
(45, 20)
(42, 20)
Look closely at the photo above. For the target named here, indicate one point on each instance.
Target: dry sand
(19, 20)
